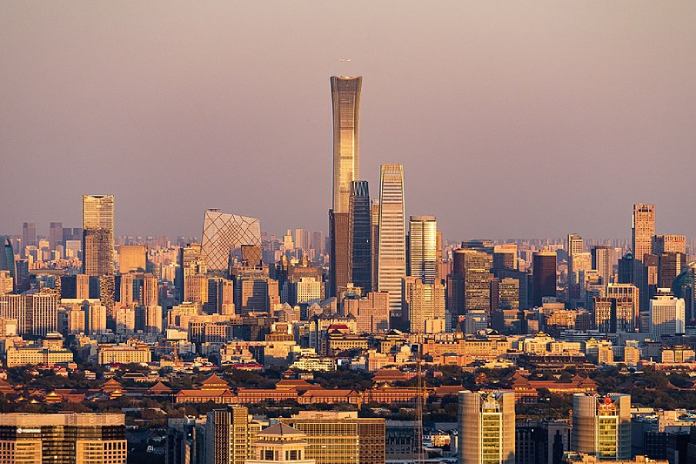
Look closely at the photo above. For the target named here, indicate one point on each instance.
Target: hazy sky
(512, 118)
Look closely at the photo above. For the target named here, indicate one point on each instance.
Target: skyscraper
(422, 248)
(229, 435)
(132, 258)
(98, 234)
(190, 266)
(603, 260)
(55, 234)
(625, 292)
(28, 234)
(345, 97)
(423, 306)
(602, 425)
(339, 252)
(486, 427)
(574, 246)
(360, 232)
(224, 234)
(7, 257)
(643, 230)
(469, 285)
(505, 257)
(670, 265)
(391, 254)
(669, 243)
(374, 239)
(544, 276)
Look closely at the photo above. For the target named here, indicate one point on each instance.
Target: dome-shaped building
(683, 287)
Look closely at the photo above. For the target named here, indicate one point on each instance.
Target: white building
(667, 314)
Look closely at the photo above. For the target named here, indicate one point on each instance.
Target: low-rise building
(123, 354)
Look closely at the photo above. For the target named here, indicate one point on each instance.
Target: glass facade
(7, 258)
(391, 254)
(360, 232)
(422, 248)
(345, 96)
(224, 234)
(98, 234)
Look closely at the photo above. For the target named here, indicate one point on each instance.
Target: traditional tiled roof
(296, 384)
(214, 382)
(111, 385)
(209, 393)
(328, 393)
(5, 387)
(159, 389)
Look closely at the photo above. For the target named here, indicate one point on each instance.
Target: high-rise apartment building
(360, 234)
(223, 236)
(98, 234)
(486, 427)
(543, 276)
(36, 313)
(149, 290)
(423, 306)
(345, 98)
(126, 289)
(602, 425)
(391, 254)
(422, 248)
(152, 318)
(340, 437)
(95, 322)
(132, 258)
(63, 438)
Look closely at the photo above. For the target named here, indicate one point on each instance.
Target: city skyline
(457, 232)
(576, 109)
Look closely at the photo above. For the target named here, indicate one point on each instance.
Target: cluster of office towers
(601, 427)
(369, 249)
